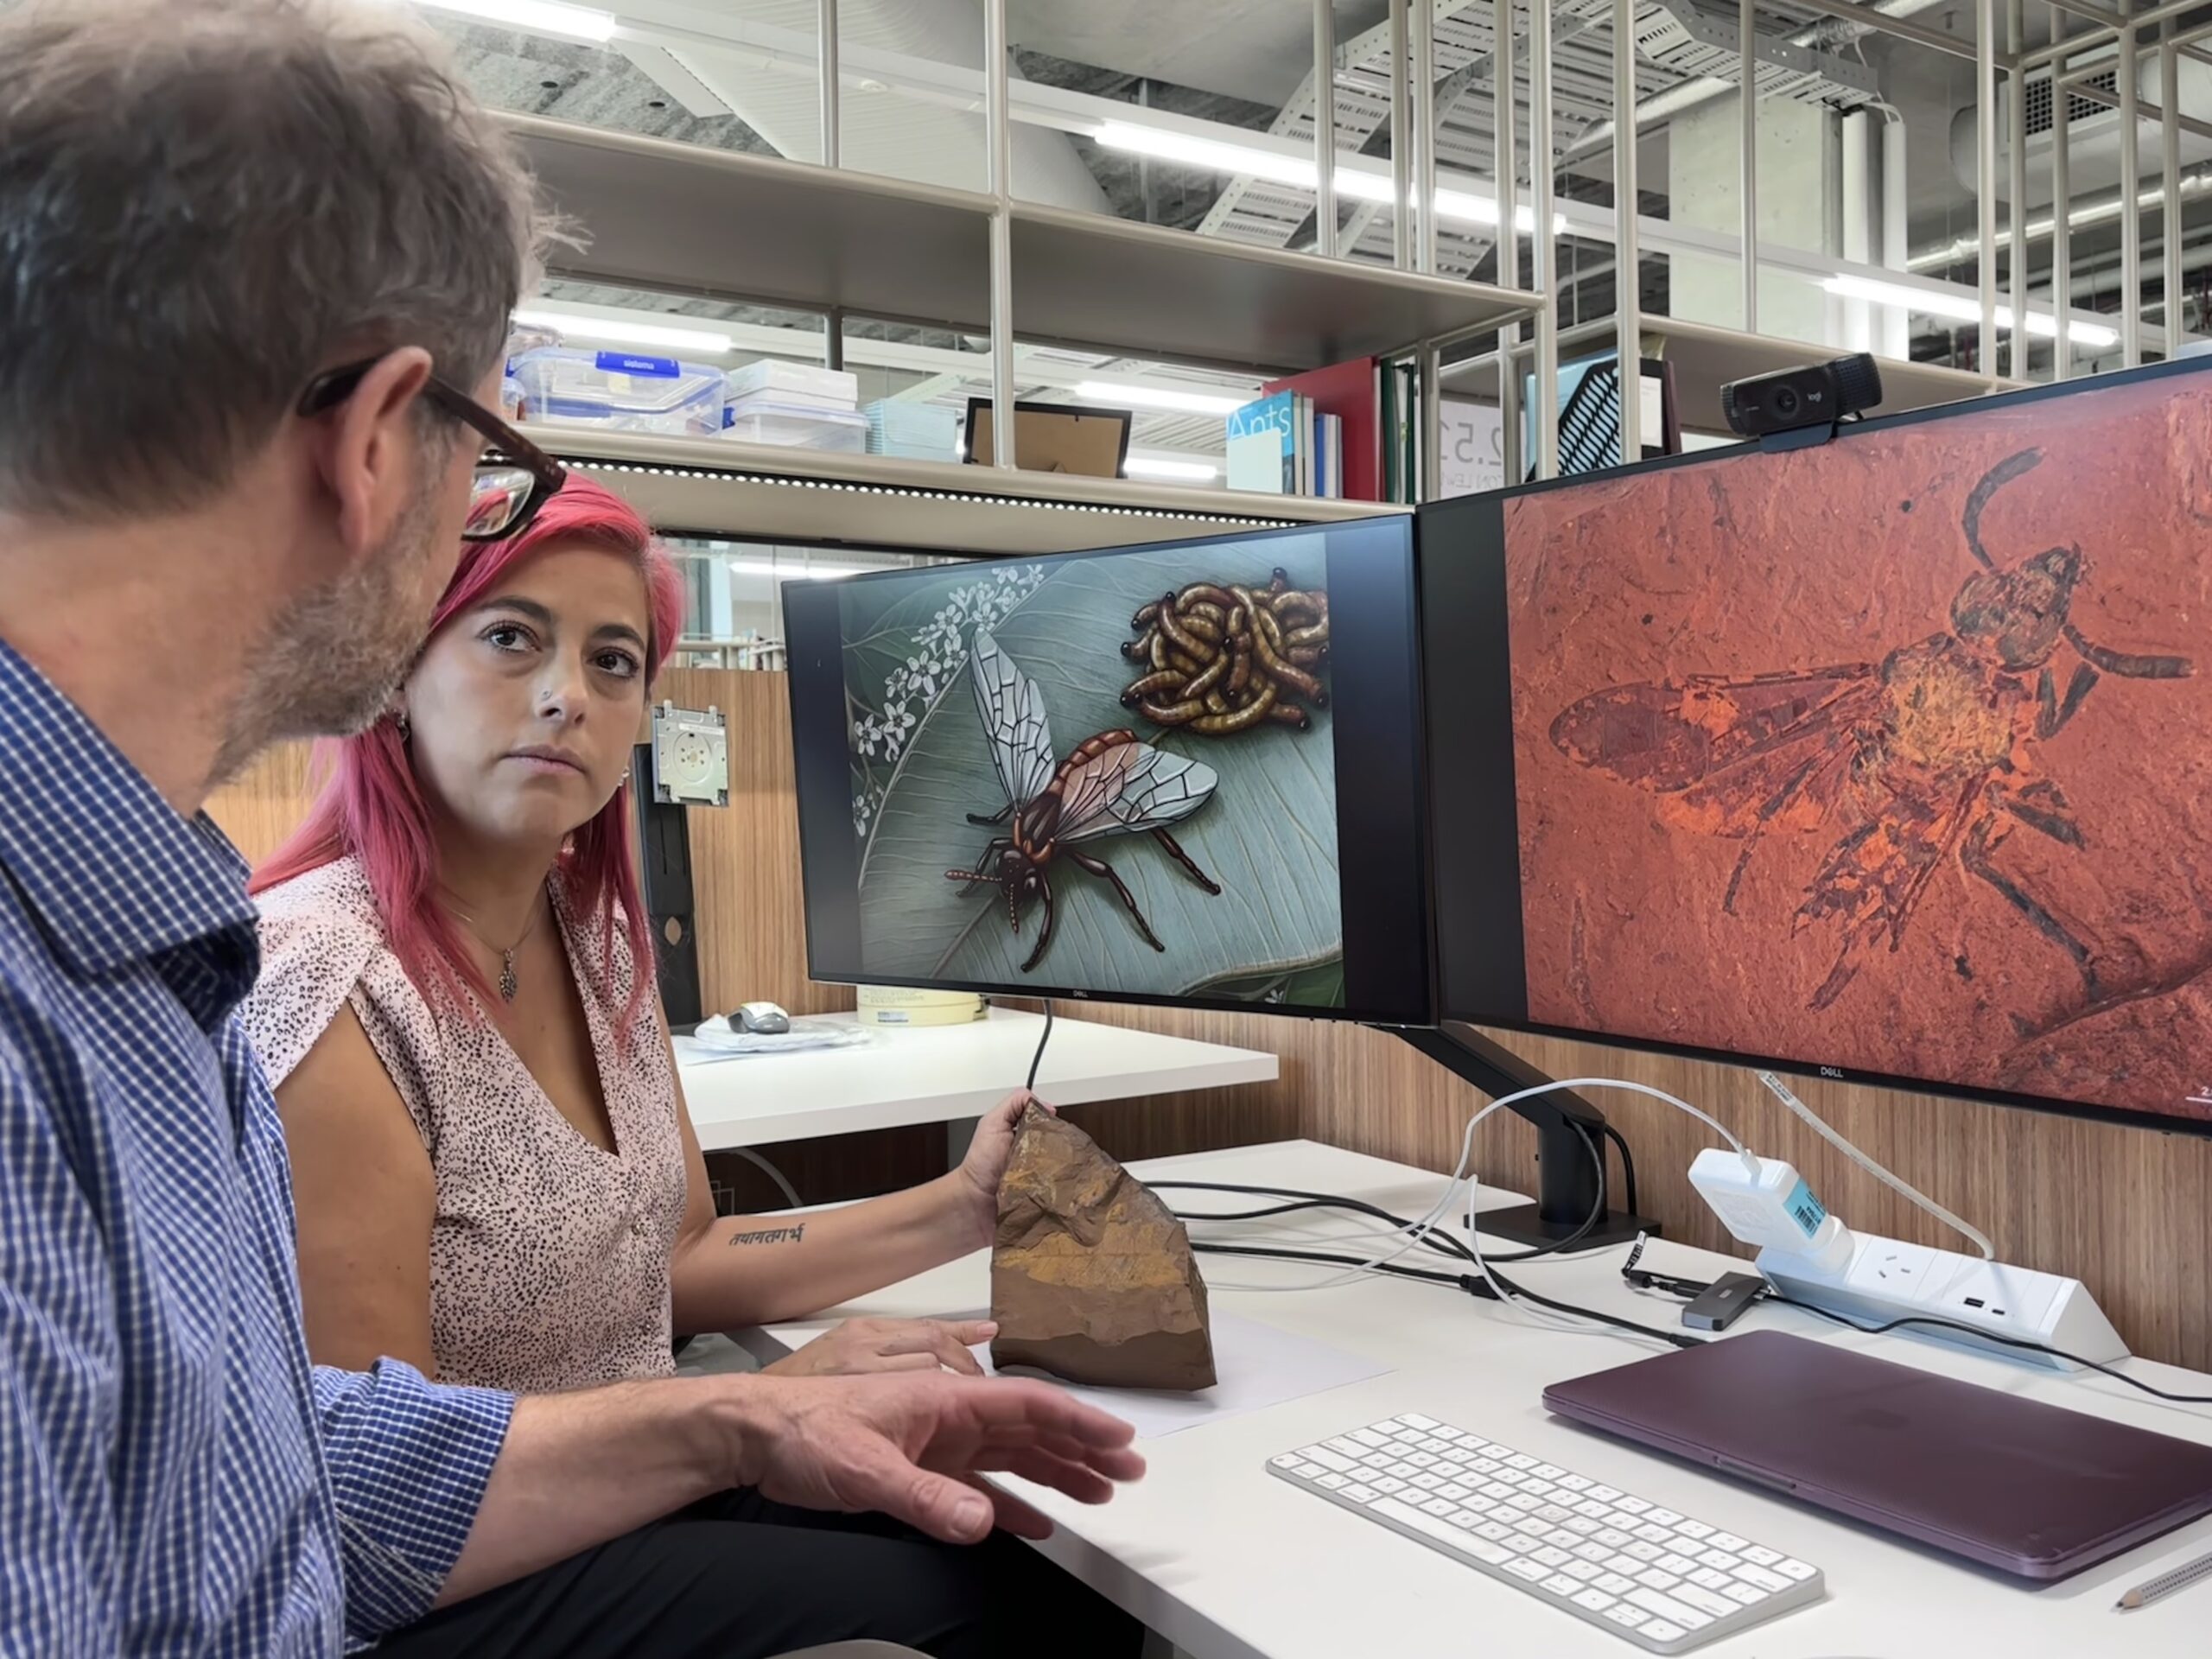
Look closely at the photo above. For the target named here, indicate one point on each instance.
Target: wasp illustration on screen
(1110, 784)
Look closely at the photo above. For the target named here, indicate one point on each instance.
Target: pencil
(2180, 1579)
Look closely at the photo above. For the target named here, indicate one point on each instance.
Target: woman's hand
(984, 1167)
(862, 1345)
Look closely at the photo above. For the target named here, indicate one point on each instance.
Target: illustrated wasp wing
(1731, 755)
(1130, 787)
(1012, 711)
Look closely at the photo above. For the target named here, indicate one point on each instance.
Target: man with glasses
(254, 256)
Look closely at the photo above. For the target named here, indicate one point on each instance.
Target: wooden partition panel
(2128, 1210)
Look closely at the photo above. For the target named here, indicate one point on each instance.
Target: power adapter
(1766, 1204)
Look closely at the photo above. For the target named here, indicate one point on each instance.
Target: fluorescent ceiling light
(623, 332)
(1353, 184)
(1169, 467)
(1141, 397)
(538, 16)
(1960, 308)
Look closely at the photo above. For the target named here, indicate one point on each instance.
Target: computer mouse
(764, 1018)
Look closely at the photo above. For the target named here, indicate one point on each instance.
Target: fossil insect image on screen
(1112, 774)
(1894, 754)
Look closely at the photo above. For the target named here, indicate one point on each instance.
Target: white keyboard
(1655, 1578)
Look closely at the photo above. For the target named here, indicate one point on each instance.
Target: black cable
(2021, 1342)
(1689, 1289)
(1038, 1058)
(1456, 1280)
(1627, 1163)
(1306, 1200)
(1443, 1243)
(1472, 1284)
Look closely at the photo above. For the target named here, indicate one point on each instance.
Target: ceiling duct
(2092, 128)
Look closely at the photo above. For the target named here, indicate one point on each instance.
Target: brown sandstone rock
(1091, 1278)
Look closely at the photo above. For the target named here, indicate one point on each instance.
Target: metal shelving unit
(748, 229)
(760, 492)
(680, 218)
(1706, 358)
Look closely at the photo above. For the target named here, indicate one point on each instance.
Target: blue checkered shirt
(175, 1477)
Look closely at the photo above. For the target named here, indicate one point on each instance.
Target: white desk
(1229, 1564)
(943, 1074)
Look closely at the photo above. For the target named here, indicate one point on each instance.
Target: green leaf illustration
(1268, 836)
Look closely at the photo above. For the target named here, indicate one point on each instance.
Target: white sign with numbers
(1472, 445)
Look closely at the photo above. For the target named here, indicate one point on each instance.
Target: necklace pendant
(508, 983)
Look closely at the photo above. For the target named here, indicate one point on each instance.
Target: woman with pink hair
(495, 1178)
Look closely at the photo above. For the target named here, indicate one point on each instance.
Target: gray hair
(205, 202)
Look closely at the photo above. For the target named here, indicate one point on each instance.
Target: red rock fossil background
(1842, 553)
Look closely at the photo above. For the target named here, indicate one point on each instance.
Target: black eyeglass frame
(506, 445)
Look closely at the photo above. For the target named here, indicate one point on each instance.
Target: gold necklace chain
(508, 983)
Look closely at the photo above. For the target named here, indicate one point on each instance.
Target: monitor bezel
(1494, 501)
(1417, 760)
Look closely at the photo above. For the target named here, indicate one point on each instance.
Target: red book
(1347, 391)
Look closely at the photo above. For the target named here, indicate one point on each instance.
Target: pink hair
(371, 809)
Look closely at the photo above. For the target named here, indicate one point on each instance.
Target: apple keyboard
(1662, 1580)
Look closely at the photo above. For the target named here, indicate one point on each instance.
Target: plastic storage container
(794, 385)
(795, 427)
(918, 431)
(621, 390)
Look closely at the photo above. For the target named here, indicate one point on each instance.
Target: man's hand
(989, 1152)
(913, 1446)
(857, 1346)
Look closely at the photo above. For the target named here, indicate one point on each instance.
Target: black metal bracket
(1802, 437)
(1570, 1142)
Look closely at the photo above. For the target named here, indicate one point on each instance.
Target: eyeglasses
(514, 478)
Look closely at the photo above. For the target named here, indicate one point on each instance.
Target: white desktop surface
(1229, 1563)
(940, 1074)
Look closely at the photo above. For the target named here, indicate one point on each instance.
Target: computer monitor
(1186, 773)
(1888, 759)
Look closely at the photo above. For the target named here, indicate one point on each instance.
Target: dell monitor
(1887, 760)
(1180, 772)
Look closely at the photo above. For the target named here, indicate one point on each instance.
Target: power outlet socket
(1888, 1279)
(1890, 1269)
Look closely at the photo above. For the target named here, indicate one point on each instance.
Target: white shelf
(684, 219)
(1706, 358)
(764, 492)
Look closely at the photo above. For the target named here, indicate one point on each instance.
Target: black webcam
(1796, 398)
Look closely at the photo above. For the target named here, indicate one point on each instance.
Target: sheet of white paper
(1258, 1366)
(690, 1051)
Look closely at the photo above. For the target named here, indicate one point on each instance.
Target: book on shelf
(1352, 391)
(1275, 418)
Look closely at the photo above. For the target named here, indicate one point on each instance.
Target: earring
(625, 776)
(400, 721)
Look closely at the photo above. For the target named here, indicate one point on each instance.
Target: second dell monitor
(1186, 773)
(1888, 757)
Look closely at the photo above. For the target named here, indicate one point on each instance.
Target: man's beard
(332, 659)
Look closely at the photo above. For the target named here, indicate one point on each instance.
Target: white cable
(774, 1174)
(1783, 1092)
(1420, 1229)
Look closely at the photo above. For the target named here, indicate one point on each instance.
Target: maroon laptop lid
(2030, 1489)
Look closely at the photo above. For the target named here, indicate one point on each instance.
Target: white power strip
(1810, 1256)
(1887, 1279)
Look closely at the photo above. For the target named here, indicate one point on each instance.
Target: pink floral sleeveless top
(549, 1256)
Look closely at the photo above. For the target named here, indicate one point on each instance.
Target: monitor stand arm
(1570, 1143)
